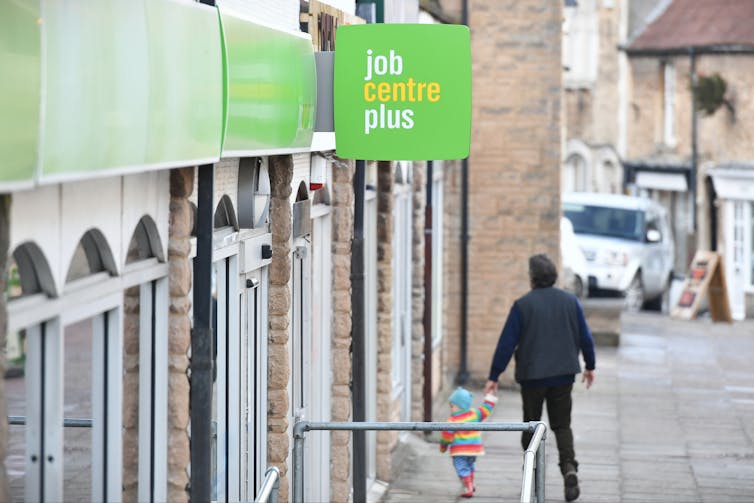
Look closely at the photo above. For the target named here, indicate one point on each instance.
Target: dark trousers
(558, 400)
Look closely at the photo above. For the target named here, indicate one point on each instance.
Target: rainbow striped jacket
(467, 443)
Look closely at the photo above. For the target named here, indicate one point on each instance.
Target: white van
(575, 272)
(627, 243)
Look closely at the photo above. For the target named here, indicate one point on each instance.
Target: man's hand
(490, 388)
(588, 377)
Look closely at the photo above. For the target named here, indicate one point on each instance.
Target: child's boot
(473, 484)
(468, 485)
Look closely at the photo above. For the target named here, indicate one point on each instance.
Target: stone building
(226, 216)
(696, 155)
(594, 77)
(513, 176)
(102, 231)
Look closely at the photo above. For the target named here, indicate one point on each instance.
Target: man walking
(546, 329)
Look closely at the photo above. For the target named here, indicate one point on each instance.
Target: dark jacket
(546, 328)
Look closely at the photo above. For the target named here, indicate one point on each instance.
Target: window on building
(574, 174)
(668, 103)
(580, 50)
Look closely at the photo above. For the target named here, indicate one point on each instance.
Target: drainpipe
(463, 374)
(694, 138)
(428, 297)
(201, 342)
(358, 330)
(712, 201)
(200, 394)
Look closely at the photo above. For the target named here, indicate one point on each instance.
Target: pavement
(670, 418)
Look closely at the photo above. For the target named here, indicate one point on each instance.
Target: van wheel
(661, 303)
(634, 295)
(578, 288)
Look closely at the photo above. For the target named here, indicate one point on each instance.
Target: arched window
(574, 174)
(225, 215)
(611, 178)
(92, 255)
(145, 364)
(253, 192)
(145, 242)
(29, 272)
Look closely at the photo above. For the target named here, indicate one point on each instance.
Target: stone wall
(387, 409)
(721, 137)
(417, 291)
(278, 357)
(591, 112)
(342, 234)
(179, 332)
(131, 394)
(514, 167)
(5, 202)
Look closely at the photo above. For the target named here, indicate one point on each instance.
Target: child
(465, 446)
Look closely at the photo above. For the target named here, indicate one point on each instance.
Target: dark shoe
(571, 481)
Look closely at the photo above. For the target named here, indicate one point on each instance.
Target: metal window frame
(300, 347)
(320, 335)
(153, 390)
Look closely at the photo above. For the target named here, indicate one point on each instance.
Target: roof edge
(688, 50)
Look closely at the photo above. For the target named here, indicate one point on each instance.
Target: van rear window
(603, 221)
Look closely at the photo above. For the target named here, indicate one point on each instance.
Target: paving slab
(670, 418)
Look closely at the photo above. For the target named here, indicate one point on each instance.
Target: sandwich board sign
(402, 92)
(705, 277)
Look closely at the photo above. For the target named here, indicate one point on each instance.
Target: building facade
(688, 137)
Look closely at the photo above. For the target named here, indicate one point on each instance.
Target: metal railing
(68, 422)
(270, 487)
(535, 451)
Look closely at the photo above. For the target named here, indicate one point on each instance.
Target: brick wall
(342, 227)
(514, 167)
(278, 356)
(179, 332)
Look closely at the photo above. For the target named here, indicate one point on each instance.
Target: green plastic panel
(20, 65)
(272, 88)
(130, 86)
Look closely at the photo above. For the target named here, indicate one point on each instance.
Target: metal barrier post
(298, 460)
(541, 466)
(535, 449)
(270, 490)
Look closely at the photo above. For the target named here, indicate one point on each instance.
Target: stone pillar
(278, 355)
(5, 201)
(131, 394)
(386, 408)
(179, 333)
(342, 234)
(419, 205)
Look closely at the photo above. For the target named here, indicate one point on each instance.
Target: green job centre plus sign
(402, 92)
